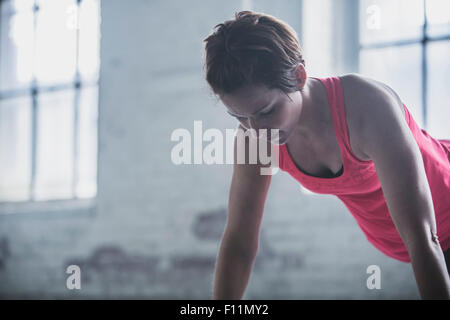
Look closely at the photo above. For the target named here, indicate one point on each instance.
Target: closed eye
(267, 112)
(236, 116)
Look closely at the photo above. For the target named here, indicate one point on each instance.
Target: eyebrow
(266, 106)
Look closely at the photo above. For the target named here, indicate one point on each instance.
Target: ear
(300, 74)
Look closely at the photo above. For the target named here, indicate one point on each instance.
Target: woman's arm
(388, 141)
(239, 244)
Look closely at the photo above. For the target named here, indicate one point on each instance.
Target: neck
(310, 116)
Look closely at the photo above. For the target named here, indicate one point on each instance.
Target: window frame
(423, 40)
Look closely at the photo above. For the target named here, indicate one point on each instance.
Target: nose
(253, 125)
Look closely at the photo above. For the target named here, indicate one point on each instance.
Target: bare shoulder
(369, 103)
(364, 99)
(364, 93)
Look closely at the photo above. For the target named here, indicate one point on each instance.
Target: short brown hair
(254, 48)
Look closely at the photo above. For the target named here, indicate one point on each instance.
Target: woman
(349, 136)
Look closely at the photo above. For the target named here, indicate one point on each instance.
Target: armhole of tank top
(345, 132)
(399, 100)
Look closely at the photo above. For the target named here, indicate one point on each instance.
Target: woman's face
(257, 107)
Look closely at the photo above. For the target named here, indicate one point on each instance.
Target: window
(49, 66)
(406, 44)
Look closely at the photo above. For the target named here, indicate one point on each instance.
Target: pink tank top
(358, 186)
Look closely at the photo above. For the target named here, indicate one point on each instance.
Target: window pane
(87, 143)
(15, 149)
(56, 41)
(55, 145)
(89, 57)
(438, 90)
(387, 20)
(438, 16)
(16, 49)
(400, 68)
